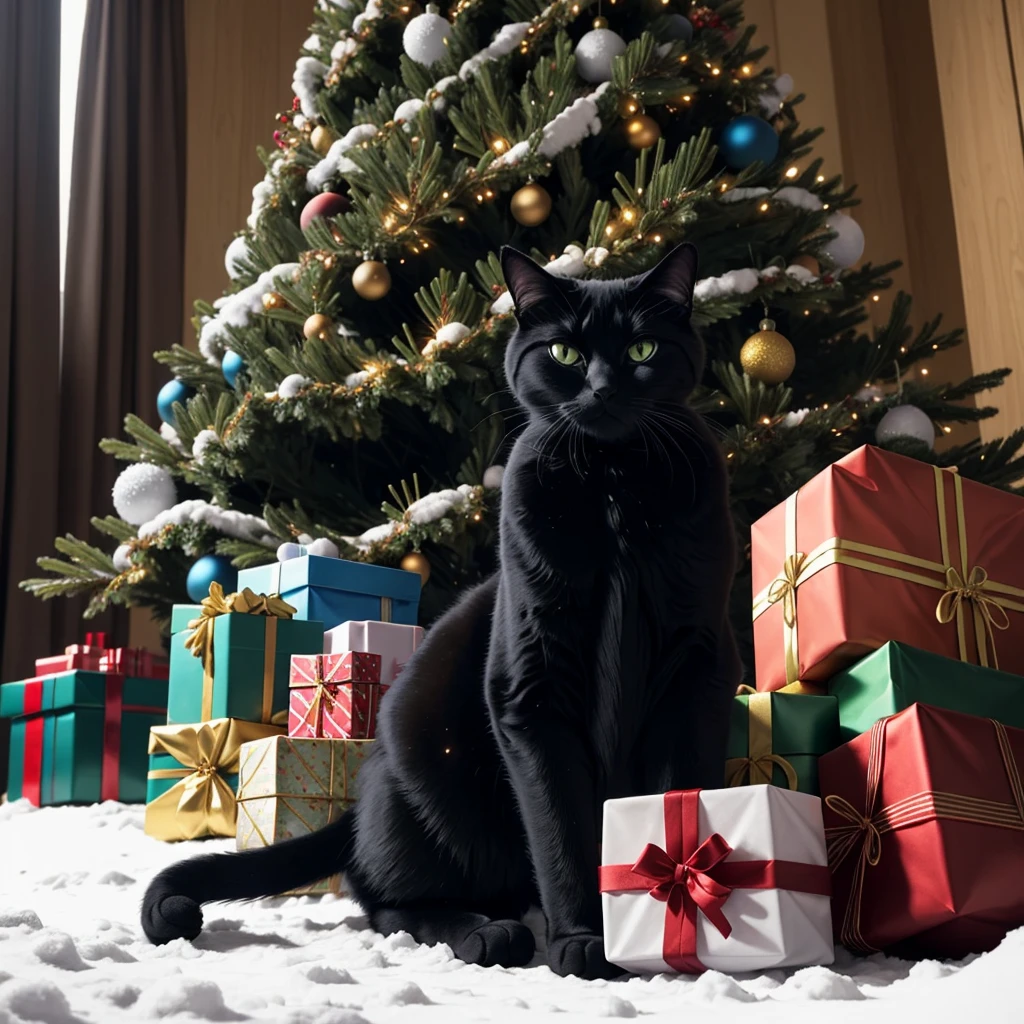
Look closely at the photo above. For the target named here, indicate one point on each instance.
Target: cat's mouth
(600, 421)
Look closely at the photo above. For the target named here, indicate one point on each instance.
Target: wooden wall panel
(241, 54)
(982, 119)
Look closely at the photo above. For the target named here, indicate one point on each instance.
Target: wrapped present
(924, 819)
(289, 787)
(334, 590)
(193, 774)
(724, 879)
(391, 640)
(76, 656)
(80, 737)
(230, 657)
(879, 547)
(897, 675)
(777, 738)
(134, 661)
(335, 696)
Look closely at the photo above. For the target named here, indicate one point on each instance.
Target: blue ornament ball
(207, 570)
(678, 27)
(173, 391)
(747, 138)
(231, 366)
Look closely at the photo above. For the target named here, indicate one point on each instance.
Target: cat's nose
(604, 391)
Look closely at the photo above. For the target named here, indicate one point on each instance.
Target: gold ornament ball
(315, 325)
(642, 131)
(531, 205)
(416, 561)
(321, 138)
(600, 22)
(273, 300)
(371, 280)
(768, 356)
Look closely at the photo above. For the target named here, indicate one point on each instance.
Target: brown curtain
(29, 325)
(123, 291)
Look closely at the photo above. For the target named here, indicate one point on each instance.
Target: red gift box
(76, 656)
(924, 817)
(334, 696)
(879, 547)
(134, 661)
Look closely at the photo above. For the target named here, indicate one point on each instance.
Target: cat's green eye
(564, 354)
(642, 351)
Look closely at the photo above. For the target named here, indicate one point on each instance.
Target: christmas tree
(347, 389)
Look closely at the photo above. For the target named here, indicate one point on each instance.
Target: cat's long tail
(171, 906)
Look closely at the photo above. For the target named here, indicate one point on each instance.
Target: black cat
(598, 662)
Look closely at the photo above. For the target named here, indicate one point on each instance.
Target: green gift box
(289, 787)
(777, 738)
(80, 737)
(230, 657)
(193, 772)
(895, 676)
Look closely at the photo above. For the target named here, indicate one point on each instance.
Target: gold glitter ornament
(767, 356)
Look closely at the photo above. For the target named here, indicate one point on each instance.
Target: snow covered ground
(71, 950)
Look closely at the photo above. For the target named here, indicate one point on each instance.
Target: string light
(820, 178)
(876, 298)
(763, 207)
(628, 214)
(792, 172)
(949, 430)
(656, 239)
(716, 71)
(499, 145)
(686, 98)
(824, 206)
(747, 69)
(924, 371)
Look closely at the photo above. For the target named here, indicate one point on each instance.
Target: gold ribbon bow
(757, 767)
(989, 614)
(783, 588)
(200, 640)
(200, 802)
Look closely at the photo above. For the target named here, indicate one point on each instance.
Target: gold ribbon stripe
(868, 828)
(987, 599)
(757, 767)
(200, 640)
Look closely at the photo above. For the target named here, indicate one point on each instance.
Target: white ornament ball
(237, 251)
(408, 110)
(292, 385)
(142, 491)
(304, 538)
(122, 558)
(493, 476)
(324, 547)
(905, 421)
(595, 53)
(848, 246)
(425, 39)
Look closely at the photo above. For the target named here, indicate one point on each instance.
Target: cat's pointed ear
(675, 276)
(528, 283)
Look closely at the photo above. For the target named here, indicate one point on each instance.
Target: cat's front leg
(552, 774)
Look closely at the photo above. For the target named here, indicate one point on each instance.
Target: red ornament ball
(327, 204)
(704, 17)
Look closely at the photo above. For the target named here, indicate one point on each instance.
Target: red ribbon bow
(674, 882)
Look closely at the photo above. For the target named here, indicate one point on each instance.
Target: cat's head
(603, 354)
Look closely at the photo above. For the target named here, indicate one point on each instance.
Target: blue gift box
(333, 590)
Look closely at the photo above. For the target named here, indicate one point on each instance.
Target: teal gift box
(81, 737)
(230, 657)
(334, 590)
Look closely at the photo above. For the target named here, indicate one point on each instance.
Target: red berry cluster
(704, 17)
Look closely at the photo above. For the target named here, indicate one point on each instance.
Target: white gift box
(770, 927)
(392, 641)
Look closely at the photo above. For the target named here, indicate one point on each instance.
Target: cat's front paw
(582, 955)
